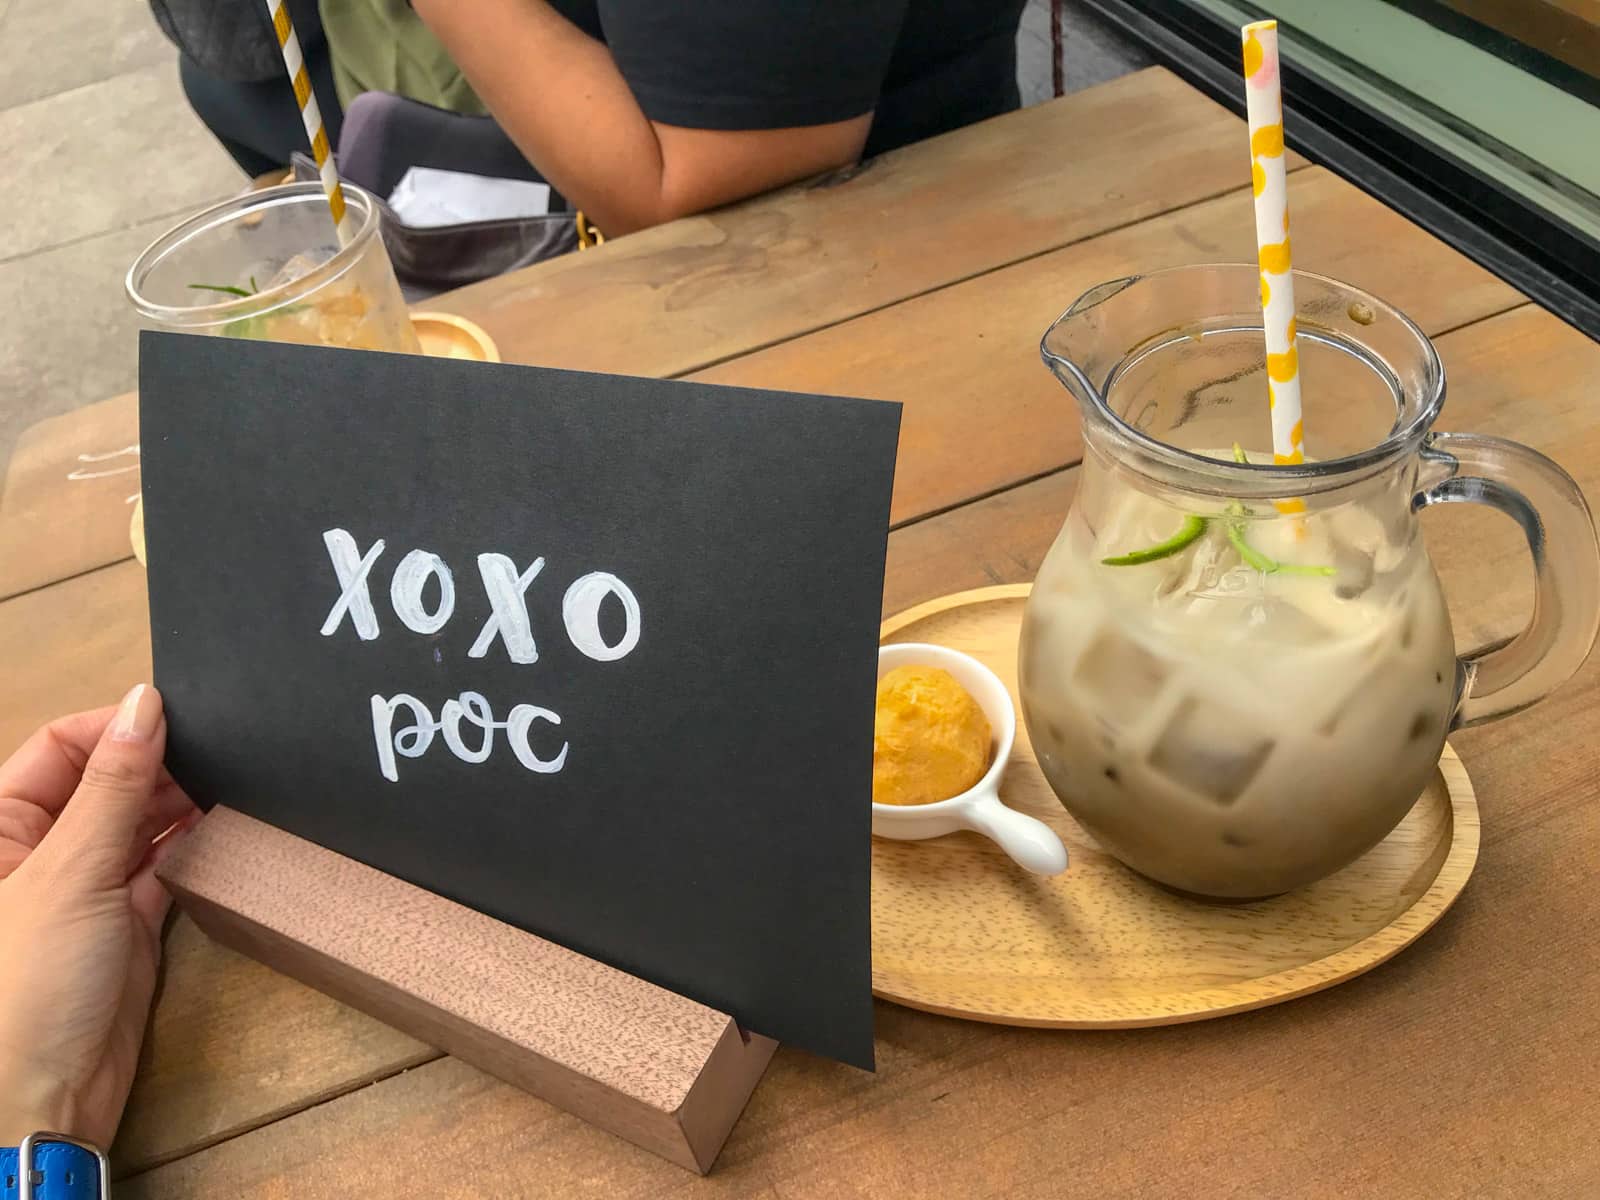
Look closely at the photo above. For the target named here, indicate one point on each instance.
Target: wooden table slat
(299, 1048)
(69, 490)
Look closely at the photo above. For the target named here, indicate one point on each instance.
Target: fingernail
(137, 715)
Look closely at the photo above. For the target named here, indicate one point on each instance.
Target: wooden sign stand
(662, 1071)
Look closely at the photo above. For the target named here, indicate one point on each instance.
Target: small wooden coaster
(136, 529)
(959, 929)
(445, 335)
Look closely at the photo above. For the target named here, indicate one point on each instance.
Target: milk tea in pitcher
(1238, 677)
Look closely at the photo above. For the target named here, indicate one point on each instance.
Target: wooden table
(1466, 1067)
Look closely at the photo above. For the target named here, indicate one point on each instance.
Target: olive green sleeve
(382, 46)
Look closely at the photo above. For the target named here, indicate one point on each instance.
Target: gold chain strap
(588, 235)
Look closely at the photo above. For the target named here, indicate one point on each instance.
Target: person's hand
(84, 805)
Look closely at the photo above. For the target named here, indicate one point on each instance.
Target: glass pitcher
(1236, 675)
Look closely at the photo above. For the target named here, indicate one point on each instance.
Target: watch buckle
(25, 1184)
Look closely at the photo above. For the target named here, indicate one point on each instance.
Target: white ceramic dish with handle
(1032, 844)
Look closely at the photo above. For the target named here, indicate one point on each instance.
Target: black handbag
(384, 135)
(234, 39)
(442, 257)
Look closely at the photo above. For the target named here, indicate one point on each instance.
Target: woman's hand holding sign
(86, 811)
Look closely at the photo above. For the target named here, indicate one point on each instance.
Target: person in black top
(640, 111)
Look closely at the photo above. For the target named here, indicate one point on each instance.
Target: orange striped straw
(1269, 181)
(311, 115)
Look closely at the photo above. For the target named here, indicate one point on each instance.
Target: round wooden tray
(959, 929)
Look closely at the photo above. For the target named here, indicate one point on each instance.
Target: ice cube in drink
(360, 310)
(266, 266)
(1227, 731)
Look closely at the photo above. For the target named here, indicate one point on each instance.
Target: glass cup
(268, 265)
(1239, 676)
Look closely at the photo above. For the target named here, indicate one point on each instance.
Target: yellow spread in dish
(931, 740)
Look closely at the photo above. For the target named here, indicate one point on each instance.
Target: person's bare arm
(559, 96)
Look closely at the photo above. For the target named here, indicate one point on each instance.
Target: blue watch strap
(62, 1170)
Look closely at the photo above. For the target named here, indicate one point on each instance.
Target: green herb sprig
(1188, 532)
(1248, 553)
(1194, 527)
(254, 327)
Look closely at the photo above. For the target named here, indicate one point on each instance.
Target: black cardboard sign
(592, 654)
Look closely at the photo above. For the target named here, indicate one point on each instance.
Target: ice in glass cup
(267, 265)
(1237, 676)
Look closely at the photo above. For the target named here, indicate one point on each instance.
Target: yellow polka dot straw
(1269, 180)
(295, 63)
